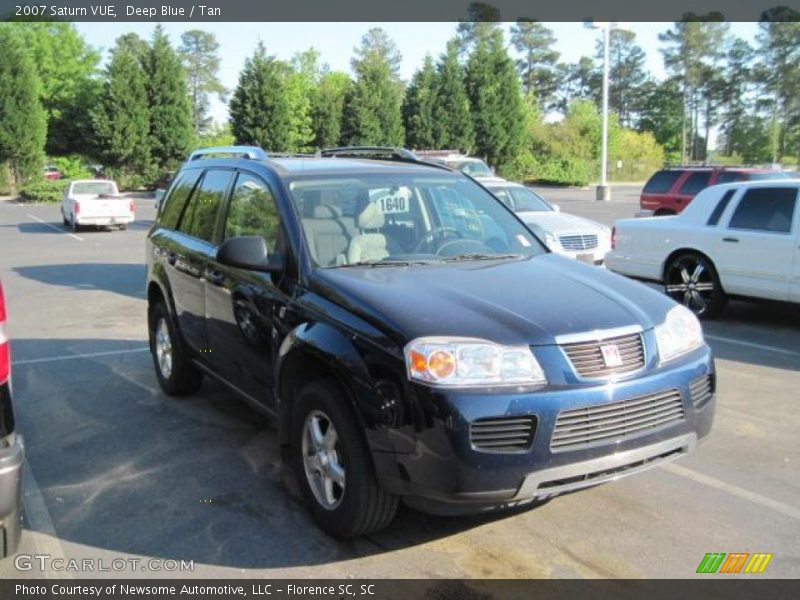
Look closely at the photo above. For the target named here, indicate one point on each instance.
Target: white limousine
(733, 240)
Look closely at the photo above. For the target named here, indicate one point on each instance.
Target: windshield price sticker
(391, 203)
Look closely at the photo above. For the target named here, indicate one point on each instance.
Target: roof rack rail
(369, 152)
(251, 152)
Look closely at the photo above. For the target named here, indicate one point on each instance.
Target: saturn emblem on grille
(611, 355)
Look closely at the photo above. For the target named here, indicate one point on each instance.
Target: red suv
(669, 191)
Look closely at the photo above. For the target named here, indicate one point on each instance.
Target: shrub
(72, 166)
(6, 188)
(45, 190)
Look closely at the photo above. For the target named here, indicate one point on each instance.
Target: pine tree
(328, 108)
(496, 101)
(23, 125)
(267, 107)
(122, 116)
(418, 107)
(372, 111)
(626, 74)
(452, 118)
(537, 67)
(171, 127)
(199, 52)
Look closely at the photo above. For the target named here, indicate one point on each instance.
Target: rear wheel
(332, 464)
(175, 372)
(692, 280)
(75, 227)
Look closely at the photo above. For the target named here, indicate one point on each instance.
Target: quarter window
(720, 208)
(252, 211)
(766, 209)
(172, 205)
(200, 217)
(696, 182)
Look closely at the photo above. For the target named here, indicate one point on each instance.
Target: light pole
(604, 190)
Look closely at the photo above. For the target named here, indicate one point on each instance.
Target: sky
(335, 42)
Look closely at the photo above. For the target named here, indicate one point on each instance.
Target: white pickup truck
(96, 202)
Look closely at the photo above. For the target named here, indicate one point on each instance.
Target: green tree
(372, 109)
(23, 121)
(662, 113)
(67, 69)
(578, 81)
(267, 108)
(418, 107)
(452, 117)
(199, 51)
(497, 110)
(122, 115)
(328, 108)
(537, 67)
(735, 93)
(626, 74)
(482, 21)
(171, 127)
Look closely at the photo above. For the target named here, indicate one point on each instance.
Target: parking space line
(33, 361)
(752, 345)
(785, 509)
(54, 228)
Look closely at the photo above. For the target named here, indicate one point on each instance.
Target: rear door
(193, 246)
(756, 250)
(695, 182)
(242, 305)
(656, 191)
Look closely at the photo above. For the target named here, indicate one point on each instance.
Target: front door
(242, 305)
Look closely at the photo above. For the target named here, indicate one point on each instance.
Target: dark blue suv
(412, 337)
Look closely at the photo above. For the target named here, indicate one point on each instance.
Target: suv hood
(528, 301)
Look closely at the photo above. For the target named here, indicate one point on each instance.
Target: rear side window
(695, 183)
(730, 177)
(720, 208)
(766, 209)
(200, 216)
(173, 204)
(252, 211)
(661, 182)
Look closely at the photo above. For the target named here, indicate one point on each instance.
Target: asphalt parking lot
(116, 470)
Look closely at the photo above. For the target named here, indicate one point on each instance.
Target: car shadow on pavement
(127, 279)
(124, 469)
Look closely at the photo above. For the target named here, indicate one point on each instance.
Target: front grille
(701, 390)
(502, 434)
(588, 360)
(607, 423)
(578, 242)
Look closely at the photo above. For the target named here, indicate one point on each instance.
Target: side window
(696, 182)
(765, 209)
(730, 177)
(661, 182)
(252, 211)
(200, 216)
(173, 203)
(720, 208)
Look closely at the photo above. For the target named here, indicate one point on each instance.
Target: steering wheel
(463, 246)
(436, 232)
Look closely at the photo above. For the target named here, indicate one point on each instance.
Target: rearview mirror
(247, 252)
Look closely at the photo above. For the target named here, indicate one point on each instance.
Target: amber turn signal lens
(419, 363)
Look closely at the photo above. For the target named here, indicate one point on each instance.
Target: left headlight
(678, 334)
(460, 362)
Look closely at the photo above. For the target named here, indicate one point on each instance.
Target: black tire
(123, 227)
(64, 218)
(363, 507)
(691, 279)
(182, 378)
(75, 227)
(664, 212)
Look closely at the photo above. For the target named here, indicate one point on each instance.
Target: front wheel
(175, 372)
(692, 280)
(332, 464)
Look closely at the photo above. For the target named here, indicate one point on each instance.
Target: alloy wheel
(321, 460)
(691, 282)
(164, 348)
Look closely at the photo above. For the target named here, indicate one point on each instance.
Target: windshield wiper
(480, 256)
(384, 263)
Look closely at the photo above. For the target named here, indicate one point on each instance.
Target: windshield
(95, 188)
(474, 168)
(408, 218)
(521, 199)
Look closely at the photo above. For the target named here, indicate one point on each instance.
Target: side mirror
(247, 252)
(556, 207)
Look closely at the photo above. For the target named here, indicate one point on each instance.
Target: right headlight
(463, 362)
(679, 334)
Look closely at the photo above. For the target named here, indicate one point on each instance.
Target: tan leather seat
(370, 243)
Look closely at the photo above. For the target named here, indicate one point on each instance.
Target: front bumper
(11, 461)
(446, 473)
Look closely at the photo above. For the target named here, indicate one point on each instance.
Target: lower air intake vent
(502, 434)
(701, 390)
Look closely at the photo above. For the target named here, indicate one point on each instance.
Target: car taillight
(133, 207)
(5, 354)
(77, 208)
(613, 238)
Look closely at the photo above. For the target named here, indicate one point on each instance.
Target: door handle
(731, 239)
(215, 277)
(172, 257)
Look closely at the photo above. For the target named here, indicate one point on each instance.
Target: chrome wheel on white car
(692, 281)
(324, 470)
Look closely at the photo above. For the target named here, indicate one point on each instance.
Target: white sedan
(565, 234)
(738, 239)
(96, 202)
